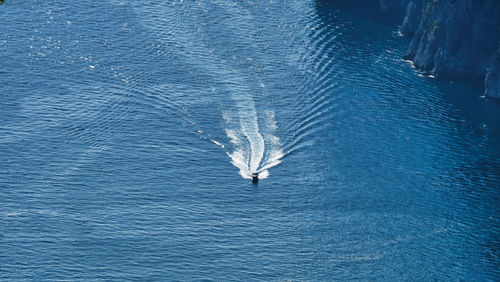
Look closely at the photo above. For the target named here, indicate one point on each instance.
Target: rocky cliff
(492, 81)
(453, 38)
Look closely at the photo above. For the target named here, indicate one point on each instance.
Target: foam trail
(250, 128)
(254, 150)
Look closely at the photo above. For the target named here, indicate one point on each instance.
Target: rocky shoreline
(453, 39)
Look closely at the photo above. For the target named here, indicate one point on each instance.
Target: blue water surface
(129, 129)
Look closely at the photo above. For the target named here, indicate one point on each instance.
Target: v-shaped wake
(256, 145)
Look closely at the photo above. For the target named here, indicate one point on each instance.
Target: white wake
(256, 145)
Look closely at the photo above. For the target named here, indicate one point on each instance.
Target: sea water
(129, 131)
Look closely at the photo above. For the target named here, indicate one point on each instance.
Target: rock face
(492, 81)
(454, 38)
(412, 19)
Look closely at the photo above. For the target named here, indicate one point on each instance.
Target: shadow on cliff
(368, 9)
